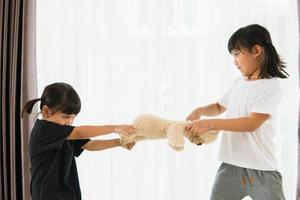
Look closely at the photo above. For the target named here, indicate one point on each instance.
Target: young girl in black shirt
(54, 142)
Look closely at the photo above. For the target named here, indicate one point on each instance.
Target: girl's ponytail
(272, 65)
(29, 105)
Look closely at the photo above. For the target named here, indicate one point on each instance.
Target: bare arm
(209, 111)
(83, 132)
(243, 124)
(98, 145)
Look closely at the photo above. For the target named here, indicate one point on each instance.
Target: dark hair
(254, 34)
(59, 97)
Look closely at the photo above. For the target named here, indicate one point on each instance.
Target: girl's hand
(128, 146)
(124, 129)
(198, 127)
(194, 115)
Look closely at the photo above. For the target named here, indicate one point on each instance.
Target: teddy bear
(149, 126)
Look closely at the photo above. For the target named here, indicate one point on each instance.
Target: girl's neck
(254, 76)
(250, 78)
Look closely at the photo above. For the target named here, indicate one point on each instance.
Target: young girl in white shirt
(247, 153)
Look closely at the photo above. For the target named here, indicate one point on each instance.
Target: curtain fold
(11, 40)
(17, 62)
(28, 86)
(298, 181)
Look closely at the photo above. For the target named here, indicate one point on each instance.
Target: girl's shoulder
(272, 86)
(272, 81)
(264, 81)
(47, 128)
(43, 124)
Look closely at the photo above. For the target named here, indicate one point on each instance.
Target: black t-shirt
(53, 166)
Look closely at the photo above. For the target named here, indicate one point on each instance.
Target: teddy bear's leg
(175, 136)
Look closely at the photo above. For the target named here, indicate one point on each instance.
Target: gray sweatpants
(234, 183)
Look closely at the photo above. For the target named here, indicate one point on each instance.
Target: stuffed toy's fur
(152, 127)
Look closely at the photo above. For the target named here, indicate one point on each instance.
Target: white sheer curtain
(127, 57)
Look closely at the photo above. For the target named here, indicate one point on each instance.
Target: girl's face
(57, 117)
(248, 62)
(61, 118)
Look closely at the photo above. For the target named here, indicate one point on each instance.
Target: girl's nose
(235, 62)
(70, 121)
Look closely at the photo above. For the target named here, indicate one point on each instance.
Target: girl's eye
(66, 116)
(235, 53)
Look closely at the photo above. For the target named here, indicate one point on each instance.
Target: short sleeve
(52, 135)
(268, 99)
(78, 146)
(224, 100)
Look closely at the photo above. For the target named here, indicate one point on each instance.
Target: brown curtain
(17, 58)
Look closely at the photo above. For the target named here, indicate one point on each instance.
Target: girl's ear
(257, 50)
(46, 112)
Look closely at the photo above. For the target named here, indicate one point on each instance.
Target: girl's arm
(98, 145)
(243, 124)
(209, 111)
(84, 132)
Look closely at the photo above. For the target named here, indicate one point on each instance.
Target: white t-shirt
(254, 150)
